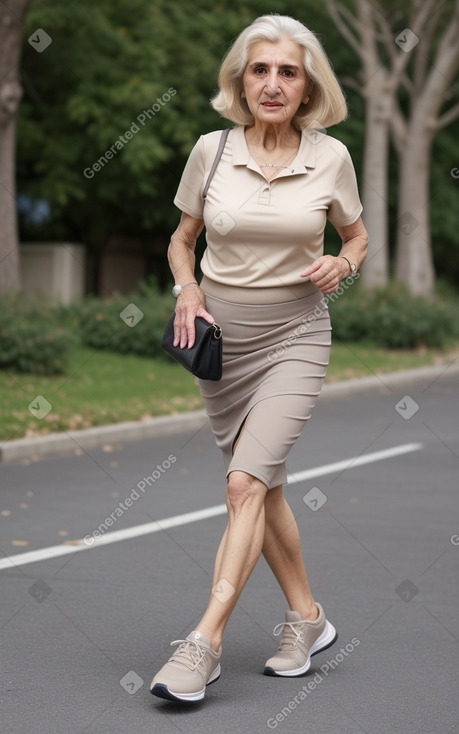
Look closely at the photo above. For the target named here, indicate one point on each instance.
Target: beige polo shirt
(260, 233)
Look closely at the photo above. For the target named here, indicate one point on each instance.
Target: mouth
(272, 104)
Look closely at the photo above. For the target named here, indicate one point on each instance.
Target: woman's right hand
(190, 303)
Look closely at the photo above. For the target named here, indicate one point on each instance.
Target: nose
(272, 83)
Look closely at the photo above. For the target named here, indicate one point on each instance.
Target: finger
(321, 280)
(182, 339)
(312, 268)
(180, 330)
(330, 286)
(184, 329)
(177, 328)
(187, 333)
(205, 315)
(325, 274)
(326, 291)
(327, 286)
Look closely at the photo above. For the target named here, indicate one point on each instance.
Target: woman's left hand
(326, 273)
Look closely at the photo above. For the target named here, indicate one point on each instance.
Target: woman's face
(274, 81)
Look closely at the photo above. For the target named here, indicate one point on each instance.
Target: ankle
(215, 639)
(215, 643)
(313, 613)
(309, 612)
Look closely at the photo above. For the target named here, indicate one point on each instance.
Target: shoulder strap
(222, 143)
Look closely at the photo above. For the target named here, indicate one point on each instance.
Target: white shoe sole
(326, 639)
(162, 691)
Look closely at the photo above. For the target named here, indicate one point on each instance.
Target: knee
(243, 488)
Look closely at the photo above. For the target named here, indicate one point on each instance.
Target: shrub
(139, 332)
(35, 336)
(31, 340)
(392, 318)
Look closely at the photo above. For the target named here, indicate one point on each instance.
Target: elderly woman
(264, 276)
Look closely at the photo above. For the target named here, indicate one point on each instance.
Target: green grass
(103, 388)
(100, 388)
(360, 359)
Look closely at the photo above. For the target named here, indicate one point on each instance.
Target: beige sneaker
(191, 668)
(301, 639)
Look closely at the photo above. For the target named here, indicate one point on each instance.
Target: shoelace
(291, 637)
(189, 653)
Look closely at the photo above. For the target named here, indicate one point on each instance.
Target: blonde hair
(326, 105)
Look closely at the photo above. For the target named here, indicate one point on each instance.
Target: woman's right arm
(191, 301)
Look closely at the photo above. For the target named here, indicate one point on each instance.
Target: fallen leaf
(73, 542)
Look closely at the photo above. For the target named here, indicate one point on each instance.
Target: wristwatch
(352, 266)
(177, 289)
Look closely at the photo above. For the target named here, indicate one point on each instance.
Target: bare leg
(282, 551)
(218, 559)
(238, 553)
(258, 520)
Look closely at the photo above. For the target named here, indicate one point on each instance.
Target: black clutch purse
(204, 359)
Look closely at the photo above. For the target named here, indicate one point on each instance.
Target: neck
(272, 137)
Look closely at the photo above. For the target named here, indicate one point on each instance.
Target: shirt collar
(306, 156)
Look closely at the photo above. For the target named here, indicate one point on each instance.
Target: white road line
(320, 471)
(116, 536)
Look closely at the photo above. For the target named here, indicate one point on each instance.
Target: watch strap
(181, 287)
(352, 267)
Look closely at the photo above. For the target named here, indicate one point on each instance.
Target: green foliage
(389, 318)
(107, 63)
(37, 337)
(101, 327)
(31, 340)
(393, 319)
(444, 193)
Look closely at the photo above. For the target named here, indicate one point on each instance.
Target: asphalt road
(84, 633)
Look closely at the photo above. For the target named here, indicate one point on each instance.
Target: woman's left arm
(328, 271)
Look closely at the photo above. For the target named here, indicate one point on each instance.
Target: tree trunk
(11, 30)
(414, 262)
(378, 94)
(374, 184)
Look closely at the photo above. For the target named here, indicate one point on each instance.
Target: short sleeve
(345, 207)
(189, 193)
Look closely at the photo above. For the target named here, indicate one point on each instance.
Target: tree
(108, 63)
(11, 30)
(110, 113)
(425, 65)
(433, 70)
(369, 30)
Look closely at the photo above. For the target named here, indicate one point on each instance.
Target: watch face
(176, 290)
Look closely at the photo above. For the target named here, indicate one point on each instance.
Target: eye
(289, 73)
(259, 70)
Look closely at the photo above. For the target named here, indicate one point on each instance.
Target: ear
(308, 87)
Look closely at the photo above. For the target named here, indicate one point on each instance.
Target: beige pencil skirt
(276, 348)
